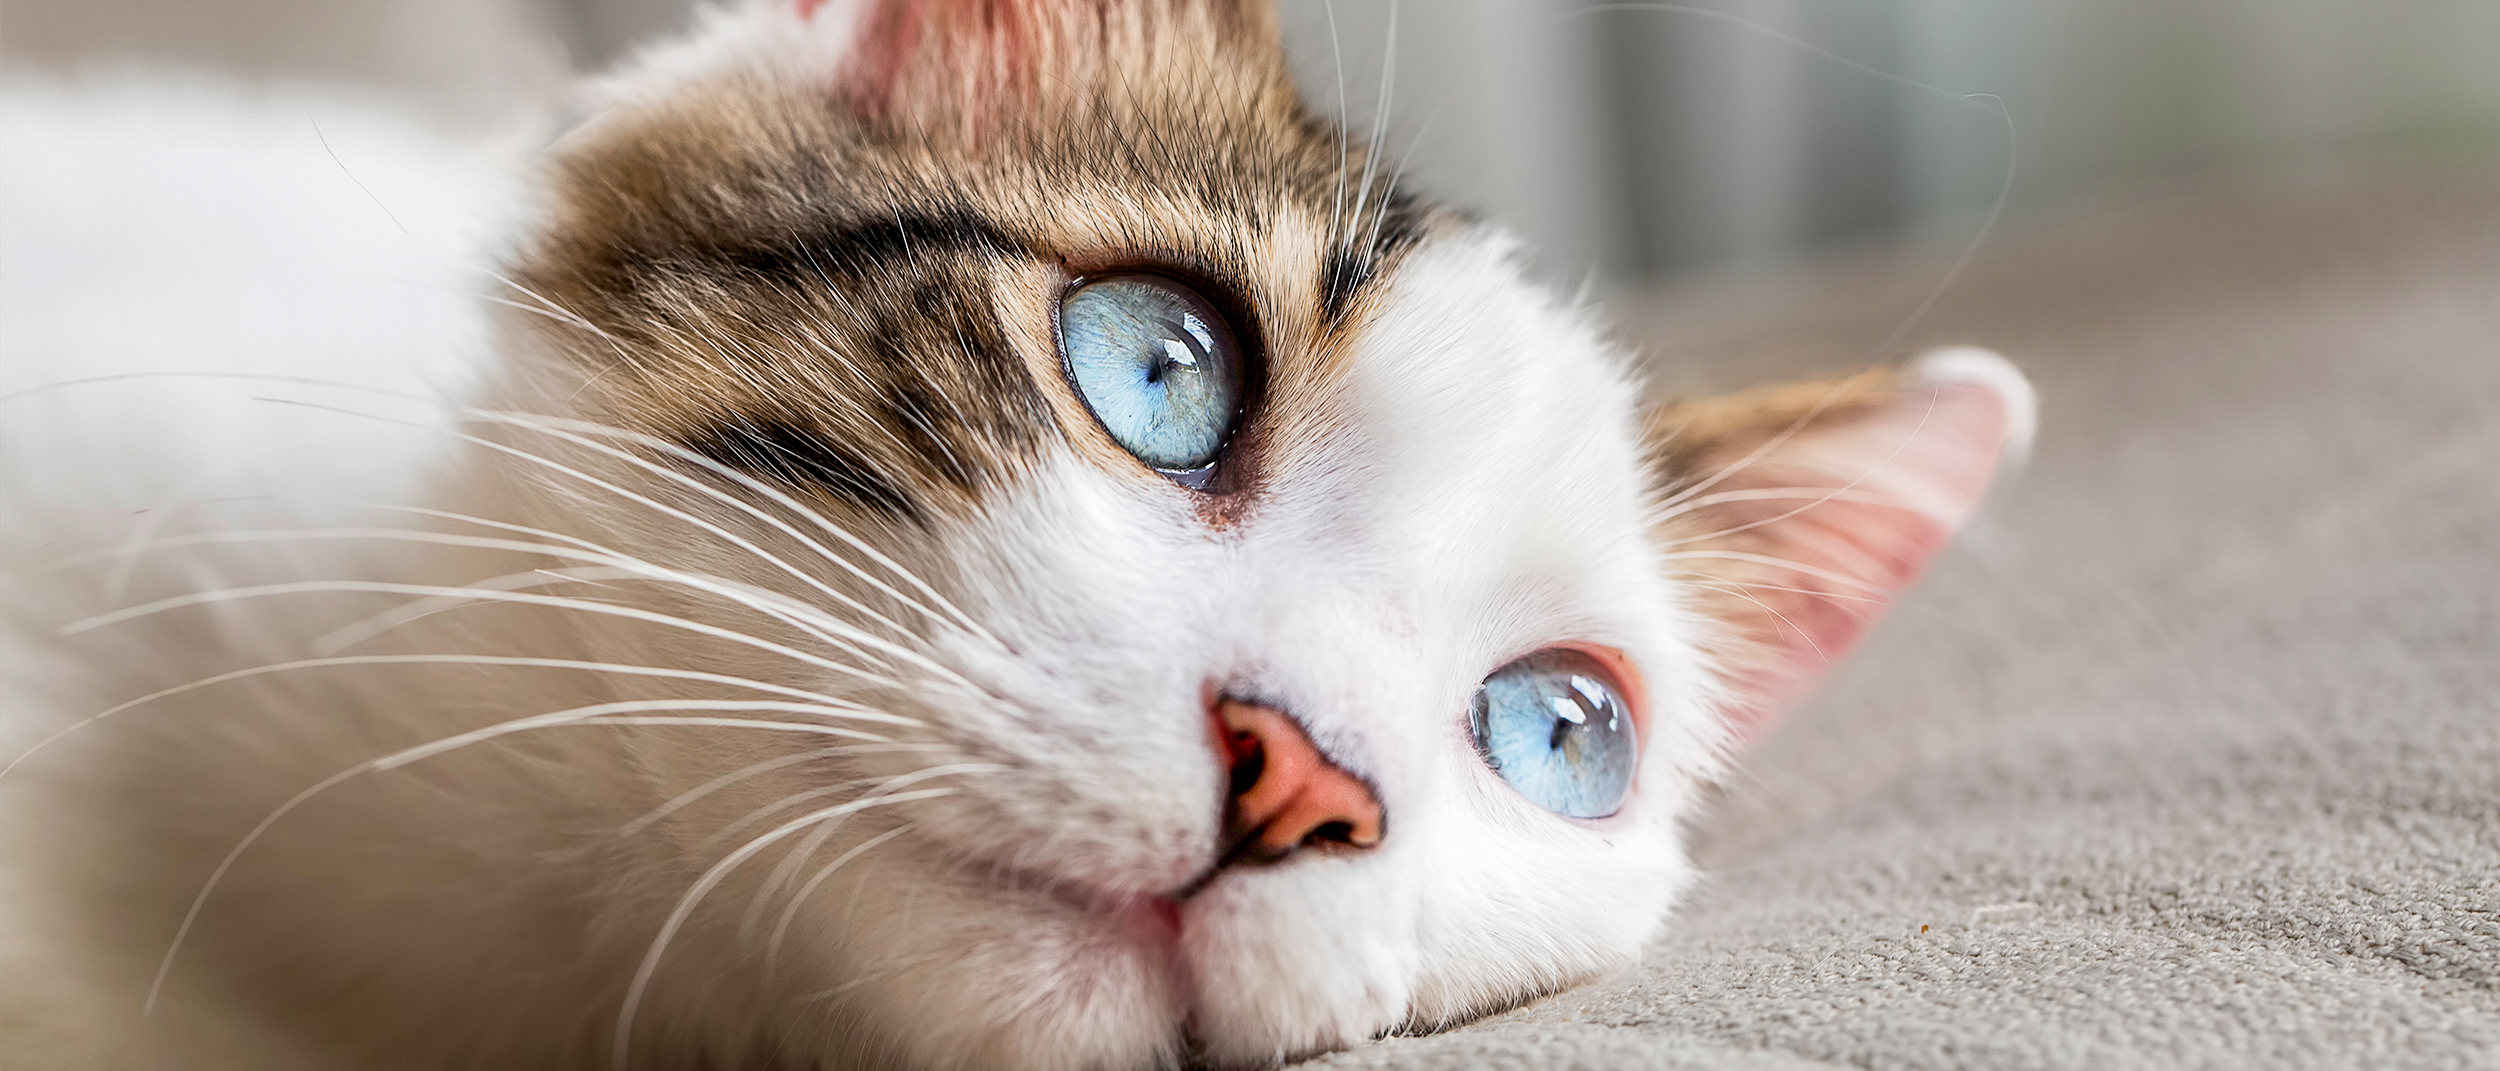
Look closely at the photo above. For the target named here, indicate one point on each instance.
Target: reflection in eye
(1555, 725)
(1155, 364)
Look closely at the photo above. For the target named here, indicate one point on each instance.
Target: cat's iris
(1157, 366)
(1556, 726)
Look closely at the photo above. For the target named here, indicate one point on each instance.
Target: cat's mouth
(1153, 919)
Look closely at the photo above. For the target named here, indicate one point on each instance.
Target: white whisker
(719, 871)
(1783, 619)
(1381, 214)
(1768, 445)
(1862, 477)
(724, 534)
(1776, 494)
(619, 567)
(788, 868)
(1336, 55)
(689, 797)
(449, 660)
(1756, 586)
(766, 811)
(222, 595)
(365, 629)
(777, 497)
(552, 308)
(1380, 119)
(587, 715)
(1781, 563)
(798, 899)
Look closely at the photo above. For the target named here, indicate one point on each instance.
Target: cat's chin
(1212, 976)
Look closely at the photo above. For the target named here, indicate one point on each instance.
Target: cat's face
(1261, 595)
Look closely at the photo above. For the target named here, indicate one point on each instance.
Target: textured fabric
(2191, 756)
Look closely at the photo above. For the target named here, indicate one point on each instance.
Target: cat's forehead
(769, 280)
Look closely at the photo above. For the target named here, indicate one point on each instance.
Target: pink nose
(1285, 794)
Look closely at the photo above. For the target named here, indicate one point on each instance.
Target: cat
(991, 534)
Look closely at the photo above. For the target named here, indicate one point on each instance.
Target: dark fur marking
(870, 246)
(1350, 267)
(1345, 274)
(783, 450)
(913, 416)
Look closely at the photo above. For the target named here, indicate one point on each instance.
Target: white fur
(1474, 494)
(1990, 369)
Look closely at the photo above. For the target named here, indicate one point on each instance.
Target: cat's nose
(1286, 795)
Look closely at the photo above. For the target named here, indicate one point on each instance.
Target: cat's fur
(788, 380)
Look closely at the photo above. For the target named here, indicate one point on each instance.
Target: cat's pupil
(1555, 725)
(1156, 365)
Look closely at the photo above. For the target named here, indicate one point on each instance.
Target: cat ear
(936, 64)
(1795, 513)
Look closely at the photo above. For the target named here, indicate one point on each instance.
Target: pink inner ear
(972, 53)
(1870, 500)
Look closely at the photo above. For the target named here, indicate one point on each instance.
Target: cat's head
(1280, 621)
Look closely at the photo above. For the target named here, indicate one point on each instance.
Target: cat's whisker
(693, 795)
(221, 595)
(1776, 494)
(1381, 215)
(646, 501)
(745, 723)
(787, 869)
(558, 426)
(595, 714)
(544, 424)
(548, 424)
(865, 385)
(1336, 56)
(535, 311)
(1838, 390)
(1755, 586)
(558, 312)
(40, 389)
(414, 610)
(1783, 618)
(817, 624)
(732, 538)
(1852, 485)
(625, 712)
(1380, 122)
(824, 627)
(782, 874)
(719, 871)
(366, 629)
(766, 811)
(1779, 563)
(332, 642)
(153, 520)
(623, 669)
(550, 305)
(798, 898)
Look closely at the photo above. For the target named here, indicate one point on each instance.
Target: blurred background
(1639, 142)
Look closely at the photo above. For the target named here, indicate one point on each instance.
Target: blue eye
(1555, 725)
(1158, 368)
